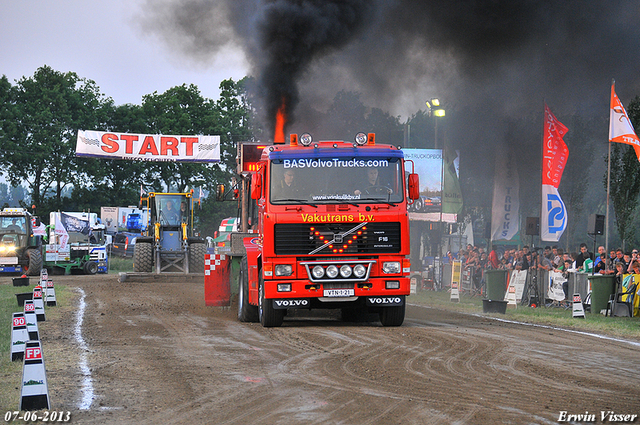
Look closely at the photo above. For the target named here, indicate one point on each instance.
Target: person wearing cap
(583, 256)
(601, 264)
(450, 257)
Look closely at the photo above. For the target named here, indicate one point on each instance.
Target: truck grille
(296, 239)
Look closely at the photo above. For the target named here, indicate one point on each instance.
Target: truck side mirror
(37, 221)
(256, 186)
(414, 186)
(220, 192)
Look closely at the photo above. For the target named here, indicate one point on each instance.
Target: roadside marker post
(19, 336)
(50, 292)
(35, 392)
(39, 303)
(577, 307)
(44, 275)
(511, 296)
(456, 275)
(32, 320)
(455, 292)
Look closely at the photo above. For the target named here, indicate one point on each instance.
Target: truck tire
(197, 252)
(246, 311)
(90, 267)
(34, 264)
(393, 316)
(269, 316)
(143, 257)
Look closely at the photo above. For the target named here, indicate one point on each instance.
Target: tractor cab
(169, 244)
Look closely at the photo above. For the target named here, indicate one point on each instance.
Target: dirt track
(157, 354)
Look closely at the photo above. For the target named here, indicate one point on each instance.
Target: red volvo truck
(329, 229)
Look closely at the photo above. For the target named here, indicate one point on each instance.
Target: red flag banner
(553, 216)
(556, 152)
(620, 127)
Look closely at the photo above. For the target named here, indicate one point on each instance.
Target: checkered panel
(211, 261)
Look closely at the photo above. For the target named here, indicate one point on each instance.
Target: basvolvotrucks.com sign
(148, 147)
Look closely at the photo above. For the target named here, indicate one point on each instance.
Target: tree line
(41, 114)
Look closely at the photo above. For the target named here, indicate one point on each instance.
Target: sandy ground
(157, 354)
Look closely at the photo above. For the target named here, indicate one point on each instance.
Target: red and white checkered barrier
(217, 288)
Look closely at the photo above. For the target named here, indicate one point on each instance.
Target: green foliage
(624, 189)
(625, 181)
(47, 110)
(40, 117)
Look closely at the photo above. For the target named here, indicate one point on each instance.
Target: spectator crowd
(617, 262)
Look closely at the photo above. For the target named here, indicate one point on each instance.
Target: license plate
(339, 292)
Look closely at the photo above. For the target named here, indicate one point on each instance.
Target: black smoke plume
(501, 55)
(291, 34)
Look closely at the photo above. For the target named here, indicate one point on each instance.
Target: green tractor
(20, 245)
(168, 243)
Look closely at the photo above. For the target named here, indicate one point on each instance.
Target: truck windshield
(12, 225)
(172, 209)
(337, 180)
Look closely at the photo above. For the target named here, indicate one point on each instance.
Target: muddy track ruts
(158, 354)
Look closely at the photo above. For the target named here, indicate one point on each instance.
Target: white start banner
(148, 147)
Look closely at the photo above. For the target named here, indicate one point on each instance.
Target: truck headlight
(359, 271)
(318, 272)
(391, 267)
(332, 271)
(284, 270)
(345, 271)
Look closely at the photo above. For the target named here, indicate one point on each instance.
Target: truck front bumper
(329, 294)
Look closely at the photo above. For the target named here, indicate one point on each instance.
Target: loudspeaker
(596, 224)
(533, 226)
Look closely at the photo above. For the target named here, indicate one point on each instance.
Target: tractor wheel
(392, 316)
(90, 267)
(143, 257)
(34, 265)
(197, 252)
(246, 311)
(269, 316)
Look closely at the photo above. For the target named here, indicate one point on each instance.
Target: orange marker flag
(620, 128)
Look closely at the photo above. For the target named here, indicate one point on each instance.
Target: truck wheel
(392, 316)
(90, 267)
(269, 316)
(246, 311)
(34, 265)
(197, 252)
(143, 257)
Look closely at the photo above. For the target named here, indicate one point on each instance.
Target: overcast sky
(103, 41)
